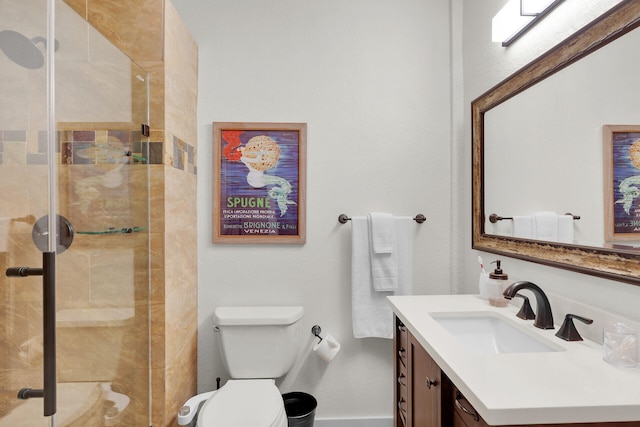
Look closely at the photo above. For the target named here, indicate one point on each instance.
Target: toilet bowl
(242, 403)
(258, 345)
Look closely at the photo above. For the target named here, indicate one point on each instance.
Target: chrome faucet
(544, 318)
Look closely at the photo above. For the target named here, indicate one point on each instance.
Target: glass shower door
(25, 196)
(73, 151)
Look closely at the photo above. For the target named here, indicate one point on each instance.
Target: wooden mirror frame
(615, 264)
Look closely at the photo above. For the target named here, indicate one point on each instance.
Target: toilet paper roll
(327, 348)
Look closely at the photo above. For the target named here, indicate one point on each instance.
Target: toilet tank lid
(224, 316)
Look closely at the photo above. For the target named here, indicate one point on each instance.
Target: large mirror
(538, 146)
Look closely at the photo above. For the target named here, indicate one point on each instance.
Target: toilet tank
(258, 342)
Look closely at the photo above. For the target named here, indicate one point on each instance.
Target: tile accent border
(78, 147)
(183, 156)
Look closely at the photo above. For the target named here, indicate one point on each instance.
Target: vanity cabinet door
(425, 387)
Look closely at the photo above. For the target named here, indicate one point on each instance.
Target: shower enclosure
(74, 196)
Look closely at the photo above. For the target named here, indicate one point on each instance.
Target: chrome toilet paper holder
(326, 348)
(315, 330)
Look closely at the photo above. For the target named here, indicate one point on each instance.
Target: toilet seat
(242, 403)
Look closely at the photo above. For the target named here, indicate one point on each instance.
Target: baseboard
(353, 422)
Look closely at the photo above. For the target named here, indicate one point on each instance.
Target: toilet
(258, 345)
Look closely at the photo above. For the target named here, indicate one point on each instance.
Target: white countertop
(574, 385)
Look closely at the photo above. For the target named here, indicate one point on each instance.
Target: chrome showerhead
(22, 50)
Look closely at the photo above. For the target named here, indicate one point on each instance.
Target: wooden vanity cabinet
(425, 397)
(419, 386)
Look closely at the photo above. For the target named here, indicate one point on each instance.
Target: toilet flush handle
(191, 406)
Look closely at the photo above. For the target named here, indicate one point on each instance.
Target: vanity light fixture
(517, 16)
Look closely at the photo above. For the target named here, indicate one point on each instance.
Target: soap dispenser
(498, 282)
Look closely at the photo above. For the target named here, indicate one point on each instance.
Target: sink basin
(488, 332)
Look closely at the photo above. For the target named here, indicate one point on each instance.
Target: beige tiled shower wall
(181, 77)
(153, 35)
(180, 233)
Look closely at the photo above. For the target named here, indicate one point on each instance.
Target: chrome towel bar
(493, 218)
(343, 218)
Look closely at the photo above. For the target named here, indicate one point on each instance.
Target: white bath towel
(565, 228)
(371, 314)
(546, 226)
(384, 259)
(524, 227)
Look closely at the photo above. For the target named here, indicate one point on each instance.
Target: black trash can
(300, 408)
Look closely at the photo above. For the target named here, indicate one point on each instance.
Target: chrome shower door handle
(48, 273)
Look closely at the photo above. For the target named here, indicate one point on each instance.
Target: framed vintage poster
(259, 182)
(621, 182)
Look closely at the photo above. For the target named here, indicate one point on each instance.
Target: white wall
(371, 78)
(485, 64)
(385, 88)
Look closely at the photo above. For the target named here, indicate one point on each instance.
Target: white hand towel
(371, 314)
(381, 232)
(565, 228)
(546, 226)
(384, 259)
(523, 226)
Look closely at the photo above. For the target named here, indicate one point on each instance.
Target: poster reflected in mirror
(259, 175)
(621, 182)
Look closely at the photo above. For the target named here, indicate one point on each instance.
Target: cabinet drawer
(463, 410)
(458, 421)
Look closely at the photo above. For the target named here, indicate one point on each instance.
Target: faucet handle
(526, 312)
(568, 331)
